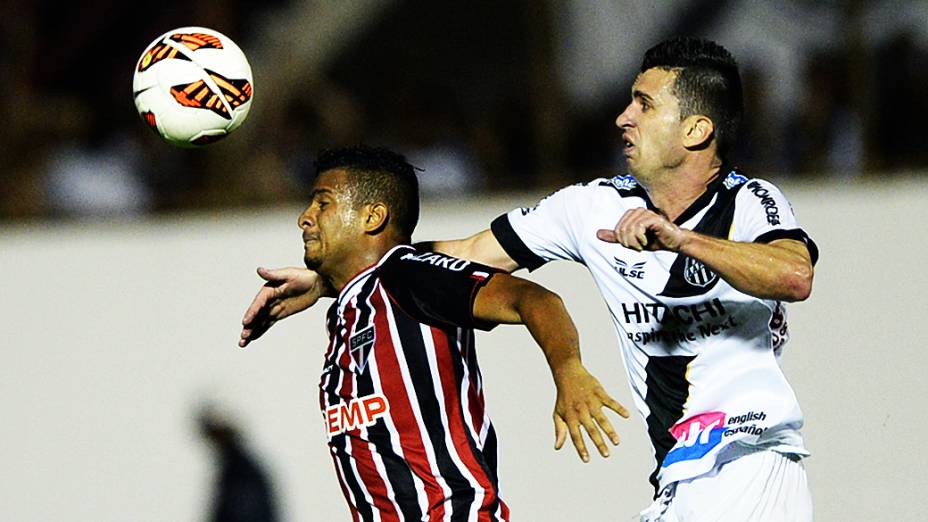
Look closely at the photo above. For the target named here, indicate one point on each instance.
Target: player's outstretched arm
(285, 292)
(580, 396)
(481, 247)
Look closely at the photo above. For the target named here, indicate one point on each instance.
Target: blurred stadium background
(126, 263)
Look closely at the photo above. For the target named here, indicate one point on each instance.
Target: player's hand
(286, 292)
(580, 400)
(642, 229)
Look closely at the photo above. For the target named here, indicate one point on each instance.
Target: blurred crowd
(471, 92)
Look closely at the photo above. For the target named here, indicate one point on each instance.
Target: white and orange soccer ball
(193, 86)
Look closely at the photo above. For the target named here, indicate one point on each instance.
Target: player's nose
(625, 118)
(305, 220)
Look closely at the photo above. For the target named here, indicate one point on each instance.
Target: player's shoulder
(410, 266)
(737, 183)
(753, 189)
(409, 258)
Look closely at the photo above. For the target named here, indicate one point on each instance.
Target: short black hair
(378, 175)
(707, 83)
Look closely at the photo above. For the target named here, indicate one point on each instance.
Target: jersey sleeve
(763, 214)
(546, 232)
(436, 289)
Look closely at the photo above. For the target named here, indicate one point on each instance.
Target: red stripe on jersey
(456, 427)
(401, 414)
(355, 516)
(372, 480)
(475, 403)
(345, 357)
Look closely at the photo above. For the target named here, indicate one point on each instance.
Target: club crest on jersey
(635, 271)
(733, 179)
(697, 274)
(360, 346)
(624, 182)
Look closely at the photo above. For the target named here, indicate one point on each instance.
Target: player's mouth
(307, 237)
(628, 146)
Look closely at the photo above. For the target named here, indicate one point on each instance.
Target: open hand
(580, 400)
(286, 292)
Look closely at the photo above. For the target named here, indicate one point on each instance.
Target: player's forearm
(780, 270)
(481, 247)
(544, 315)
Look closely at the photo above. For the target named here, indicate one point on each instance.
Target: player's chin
(312, 261)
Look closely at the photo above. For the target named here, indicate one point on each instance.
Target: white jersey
(701, 357)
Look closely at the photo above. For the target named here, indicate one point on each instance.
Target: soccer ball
(193, 86)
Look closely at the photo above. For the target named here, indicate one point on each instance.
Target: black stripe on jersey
(397, 470)
(331, 374)
(339, 444)
(711, 189)
(797, 233)
(690, 277)
(413, 346)
(471, 442)
(668, 390)
(365, 310)
(513, 244)
(331, 319)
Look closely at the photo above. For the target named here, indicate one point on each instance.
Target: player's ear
(697, 131)
(376, 217)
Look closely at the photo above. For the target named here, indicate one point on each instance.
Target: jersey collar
(712, 188)
(360, 276)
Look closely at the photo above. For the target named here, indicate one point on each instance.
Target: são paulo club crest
(360, 346)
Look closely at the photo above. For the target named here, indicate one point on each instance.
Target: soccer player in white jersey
(695, 261)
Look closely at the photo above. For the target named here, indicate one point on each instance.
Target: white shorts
(758, 487)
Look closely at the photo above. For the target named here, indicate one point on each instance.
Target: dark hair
(378, 175)
(707, 83)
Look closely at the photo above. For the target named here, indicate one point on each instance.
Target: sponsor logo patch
(355, 414)
(450, 263)
(624, 182)
(733, 179)
(635, 271)
(696, 437)
(767, 201)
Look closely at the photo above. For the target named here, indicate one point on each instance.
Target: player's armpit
(481, 247)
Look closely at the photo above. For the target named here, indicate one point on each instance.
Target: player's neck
(674, 190)
(362, 258)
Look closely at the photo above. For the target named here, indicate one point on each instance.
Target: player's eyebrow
(321, 192)
(643, 95)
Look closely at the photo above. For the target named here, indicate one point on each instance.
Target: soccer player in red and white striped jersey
(401, 391)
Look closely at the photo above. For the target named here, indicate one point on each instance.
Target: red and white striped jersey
(401, 393)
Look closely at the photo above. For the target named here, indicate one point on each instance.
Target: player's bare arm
(291, 290)
(780, 270)
(481, 247)
(286, 291)
(580, 396)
